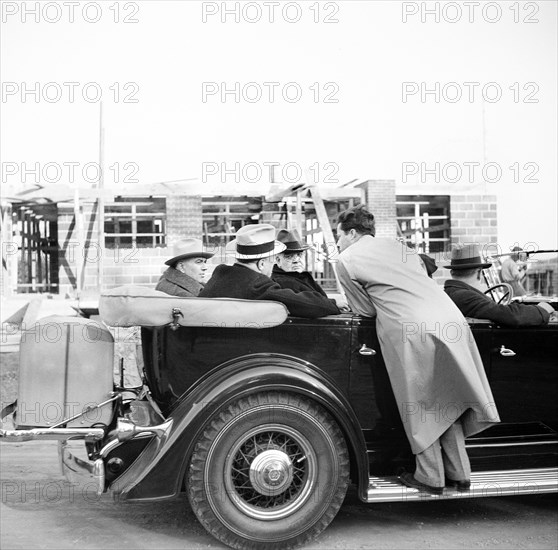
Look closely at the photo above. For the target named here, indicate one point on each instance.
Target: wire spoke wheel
(270, 471)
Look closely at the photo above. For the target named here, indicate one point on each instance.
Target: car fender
(159, 471)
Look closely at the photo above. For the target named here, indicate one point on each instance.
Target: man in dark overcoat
(249, 277)
(187, 269)
(466, 288)
(289, 270)
(431, 357)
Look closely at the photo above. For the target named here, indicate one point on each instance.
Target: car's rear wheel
(270, 471)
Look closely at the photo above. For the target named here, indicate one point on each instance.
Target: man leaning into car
(427, 372)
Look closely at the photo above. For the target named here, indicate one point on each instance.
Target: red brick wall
(473, 219)
(122, 266)
(380, 199)
(184, 217)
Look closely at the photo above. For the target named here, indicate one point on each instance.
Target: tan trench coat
(430, 354)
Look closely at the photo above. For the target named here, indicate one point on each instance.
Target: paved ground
(39, 509)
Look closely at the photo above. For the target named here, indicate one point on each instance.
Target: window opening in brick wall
(223, 216)
(135, 222)
(424, 221)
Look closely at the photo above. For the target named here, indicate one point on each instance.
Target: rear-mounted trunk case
(66, 369)
(66, 380)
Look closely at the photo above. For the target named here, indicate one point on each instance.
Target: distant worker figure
(428, 371)
(187, 269)
(466, 288)
(249, 277)
(514, 271)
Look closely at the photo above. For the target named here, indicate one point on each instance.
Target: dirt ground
(40, 509)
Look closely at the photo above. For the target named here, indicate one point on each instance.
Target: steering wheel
(506, 298)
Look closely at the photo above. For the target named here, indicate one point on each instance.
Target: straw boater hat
(292, 241)
(188, 248)
(257, 241)
(467, 256)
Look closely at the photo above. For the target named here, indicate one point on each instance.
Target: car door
(524, 374)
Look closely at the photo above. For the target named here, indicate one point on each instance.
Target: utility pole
(101, 202)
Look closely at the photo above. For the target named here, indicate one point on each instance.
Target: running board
(483, 484)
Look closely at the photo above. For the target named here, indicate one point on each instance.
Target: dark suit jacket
(296, 281)
(238, 281)
(176, 283)
(473, 303)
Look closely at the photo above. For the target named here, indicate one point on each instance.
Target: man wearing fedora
(249, 277)
(187, 269)
(466, 288)
(289, 270)
(431, 371)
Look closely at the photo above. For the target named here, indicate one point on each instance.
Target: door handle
(505, 352)
(365, 350)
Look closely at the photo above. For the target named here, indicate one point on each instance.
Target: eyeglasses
(293, 256)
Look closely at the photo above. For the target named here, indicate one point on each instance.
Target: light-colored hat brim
(278, 248)
(190, 255)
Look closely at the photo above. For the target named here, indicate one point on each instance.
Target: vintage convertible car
(265, 419)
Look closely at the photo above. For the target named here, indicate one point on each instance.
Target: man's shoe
(409, 480)
(461, 485)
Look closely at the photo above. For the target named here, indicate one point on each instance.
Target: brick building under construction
(59, 245)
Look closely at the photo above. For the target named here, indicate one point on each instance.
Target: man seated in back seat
(249, 277)
(187, 267)
(466, 288)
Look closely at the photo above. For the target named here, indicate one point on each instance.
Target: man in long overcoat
(433, 363)
(249, 277)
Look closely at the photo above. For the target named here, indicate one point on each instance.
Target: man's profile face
(266, 266)
(344, 240)
(194, 267)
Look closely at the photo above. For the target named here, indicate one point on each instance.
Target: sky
(361, 90)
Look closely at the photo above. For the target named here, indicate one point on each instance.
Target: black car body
(265, 424)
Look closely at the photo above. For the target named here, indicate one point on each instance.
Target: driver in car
(466, 288)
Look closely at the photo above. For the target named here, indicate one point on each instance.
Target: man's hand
(342, 304)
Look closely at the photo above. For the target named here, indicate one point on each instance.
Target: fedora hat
(467, 256)
(292, 241)
(257, 241)
(188, 248)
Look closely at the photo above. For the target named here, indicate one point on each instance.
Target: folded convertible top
(128, 306)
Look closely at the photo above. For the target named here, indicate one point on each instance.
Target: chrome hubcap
(271, 472)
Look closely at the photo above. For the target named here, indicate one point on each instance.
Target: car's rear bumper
(78, 470)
